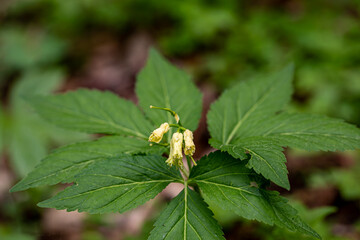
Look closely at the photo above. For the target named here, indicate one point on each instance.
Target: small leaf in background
(28, 137)
(227, 182)
(12, 234)
(25, 49)
(63, 164)
(26, 146)
(186, 217)
(35, 82)
(161, 84)
(347, 180)
(93, 111)
(115, 184)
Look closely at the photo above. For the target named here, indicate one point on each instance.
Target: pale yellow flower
(158, 133)
(189, 143)
(175, 156)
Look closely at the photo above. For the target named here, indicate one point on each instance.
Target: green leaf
(287, 216)
(23, 49)
(244, 121)
(41, 83)
(163, 85)
(93, 112)
(315, 217)
(25, 144)
(310, 132)
(303, 131)
(227, 182)
(28, 136)
(186, 217)
(115, 184)
(347, 181)
(238, 109)
(266, 157)
(64, 163)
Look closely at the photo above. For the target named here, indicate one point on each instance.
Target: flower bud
(177, 141)
(177, 118)
(175, 157)
(189, 143)
(158, 133)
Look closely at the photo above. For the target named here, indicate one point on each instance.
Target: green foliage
(161, 84)
(28, 137)
(92, 111)
(233, 116)
(24, 50)
(115, 184)
(236, 111)
(225, 181)
(315, 218)
(248, 123)
(225, 38)
(345, 179)
(41, 82)
(120, 172)
(5, 234)
(65, 163)
(186, 217)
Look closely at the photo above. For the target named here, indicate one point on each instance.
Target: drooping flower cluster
(178, 139)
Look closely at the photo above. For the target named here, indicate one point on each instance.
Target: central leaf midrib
(226, 186)
(108, 187)
(166, 97)
(247, 114)
(99, 120)
(264, 160)
(86, 161)
(185, 209)
(173, 212)
(198, 218)
(247, 200)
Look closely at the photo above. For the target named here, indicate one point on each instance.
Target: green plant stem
(165, 109)
(186, 174)
(177, 126)
(192, 159)
(189, 163)
(161, 144)
(173, 113)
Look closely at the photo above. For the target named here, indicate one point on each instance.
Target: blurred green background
(49, 46)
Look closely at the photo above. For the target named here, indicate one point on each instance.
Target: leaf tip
(287, 186)
(153, 52)
(44, 204)
(284, 183)
(16, 188)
